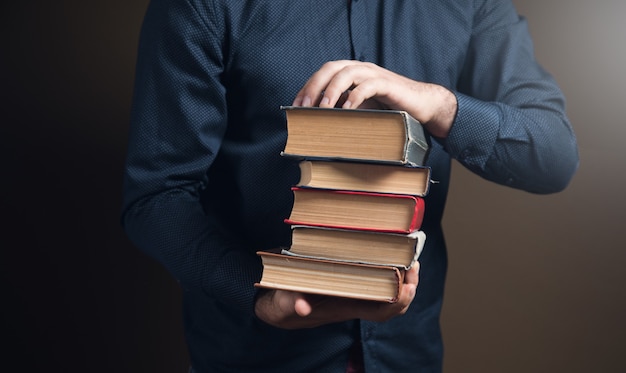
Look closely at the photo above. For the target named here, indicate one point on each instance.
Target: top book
(389, 136)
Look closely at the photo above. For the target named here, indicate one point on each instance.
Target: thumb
(302, 306)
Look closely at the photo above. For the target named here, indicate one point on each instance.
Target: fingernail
(324, 101)
(346, 105)
(306, 101)
(297, 101)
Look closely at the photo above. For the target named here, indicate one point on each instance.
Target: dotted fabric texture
(205, 186)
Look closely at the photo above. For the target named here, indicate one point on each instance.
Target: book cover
(356, 210)
(391, 136)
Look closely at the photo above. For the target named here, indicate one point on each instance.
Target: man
(205, 186)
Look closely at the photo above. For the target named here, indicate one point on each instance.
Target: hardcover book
(325, 277)
(389, 249)
(365, 177)
(356, 210)
(356, 134)
(358, 205)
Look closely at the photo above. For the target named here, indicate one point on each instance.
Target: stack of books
(358, 207)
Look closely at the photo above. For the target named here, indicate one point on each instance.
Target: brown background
(536, 283)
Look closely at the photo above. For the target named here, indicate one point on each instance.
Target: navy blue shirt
(205, 186)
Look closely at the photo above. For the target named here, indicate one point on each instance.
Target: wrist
(445, 108)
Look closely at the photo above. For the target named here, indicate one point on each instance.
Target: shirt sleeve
(178, 120)
(511, 126)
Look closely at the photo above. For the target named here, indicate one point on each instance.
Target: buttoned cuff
(474, 132)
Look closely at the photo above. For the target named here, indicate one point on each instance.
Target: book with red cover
(356, 210)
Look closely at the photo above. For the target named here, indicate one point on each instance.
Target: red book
(356, 210)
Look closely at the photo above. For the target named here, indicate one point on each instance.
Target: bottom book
(327, 277)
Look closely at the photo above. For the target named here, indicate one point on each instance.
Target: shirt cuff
(474, 132)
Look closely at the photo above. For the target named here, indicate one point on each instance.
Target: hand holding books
(295, 310)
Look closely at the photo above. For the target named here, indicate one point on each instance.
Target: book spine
(417, 144)
(418, 214)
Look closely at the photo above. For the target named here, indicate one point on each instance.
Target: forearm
(531, 148)
(178, 121)
(511, 126)
(173, 228)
